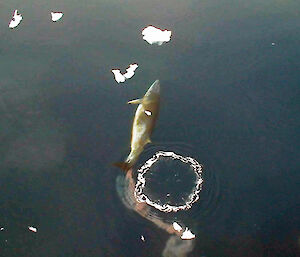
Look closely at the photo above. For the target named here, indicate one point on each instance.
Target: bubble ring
(141, 181)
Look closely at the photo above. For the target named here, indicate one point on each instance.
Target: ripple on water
(170, 185)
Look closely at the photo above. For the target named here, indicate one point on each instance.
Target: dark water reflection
(226, 90)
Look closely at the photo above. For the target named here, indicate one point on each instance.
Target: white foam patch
(16, 19)
(187, 235)
(33, 229)
(119, 77)
(141, 182)
(55, 16)
(155, 35)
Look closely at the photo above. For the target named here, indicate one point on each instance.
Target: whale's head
(154, 89)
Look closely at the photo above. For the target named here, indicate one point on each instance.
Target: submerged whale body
(143, 124)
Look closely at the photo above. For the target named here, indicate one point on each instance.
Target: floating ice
(155, 35)
(177, 227)
(119, 77)
(16, 19)
(130, 71)
(55, 16)
(187, 234)
(33, 229)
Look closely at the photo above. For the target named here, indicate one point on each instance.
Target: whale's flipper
(136, 101)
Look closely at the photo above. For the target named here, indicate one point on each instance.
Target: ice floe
(177, 227)
(33, 229)
(55, 16)
(119, 77)
(187, 234)
(130, 71)
(155, 35)
(16, 19)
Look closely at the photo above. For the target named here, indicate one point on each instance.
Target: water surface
(227, 91)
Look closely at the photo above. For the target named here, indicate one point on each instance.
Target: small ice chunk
(130, 71)
(155, 35)
(33, 229)
(177, 227)
(148, 113)
(142, 238)
(55, 16)
(16, 19)
(118, 76)
(187, 234)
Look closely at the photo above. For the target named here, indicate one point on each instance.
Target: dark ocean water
(229, 98)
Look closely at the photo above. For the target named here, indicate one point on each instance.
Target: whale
(143, 124)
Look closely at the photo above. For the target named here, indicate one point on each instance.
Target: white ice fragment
(142, 238)
(118, 76)
(155, 35)
(16, 19)
(33, 229)
(148, 113)
(130, 71)
(177, 227)
(55, 16)
(187, 234)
